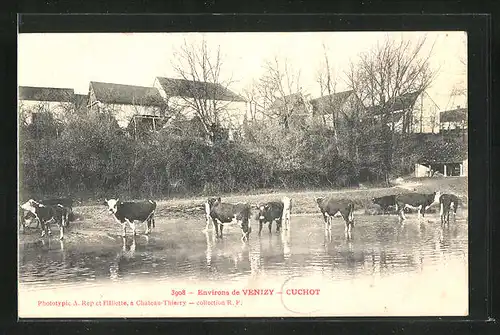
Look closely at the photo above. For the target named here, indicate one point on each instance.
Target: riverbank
(94, 222)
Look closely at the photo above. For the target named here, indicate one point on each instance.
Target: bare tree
(388, 71)
(327, 82)
(251, 94)
(201, 68)
(279, 90)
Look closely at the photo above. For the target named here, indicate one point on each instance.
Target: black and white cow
(127, 212)
(330, 208)
(64, 202)
(385, 202)
(416, 201)
(47, 215)
(447, 204)
(222, 213)
(269, 212)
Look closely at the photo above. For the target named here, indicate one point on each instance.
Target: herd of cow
(126, 213)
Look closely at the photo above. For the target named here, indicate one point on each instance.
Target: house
(34, 102)
(133, 107)
(295, 105)
(410, 112)
(448, 159)
(191, 98)
(341, 105)
(453, 121)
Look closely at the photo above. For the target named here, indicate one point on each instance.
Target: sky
(73, 60)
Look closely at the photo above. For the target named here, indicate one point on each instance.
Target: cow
(418, 201)
(385, 202)
(48, 214)
(222, 213)
(287, 211)
(269, 212)
(447, 203)
(65, 202)
(130, 211)
(330, 207)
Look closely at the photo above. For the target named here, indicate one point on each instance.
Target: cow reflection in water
(124, 254)
(285, 241)
(208, 251)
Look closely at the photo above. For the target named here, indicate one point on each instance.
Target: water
(179, 250)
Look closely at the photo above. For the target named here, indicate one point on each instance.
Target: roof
(292, 99)
(404, 101)
(46, 94)
(197, 89)
(447, 152)
(455, 115)
(322, 105)
(126, 94)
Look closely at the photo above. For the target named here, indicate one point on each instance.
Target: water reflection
(378, 245)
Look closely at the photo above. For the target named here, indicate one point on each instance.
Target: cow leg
(278, 225)
(221, 227)
(441, 212)
(216, 228)
(43, 228)
(326, 217)
(148, 226)
(124, 229)
(402, 211)
(260, 226)
(47, 226)
(61, 232)
(270, 226)
(132, 226)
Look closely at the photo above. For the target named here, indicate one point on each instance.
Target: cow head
(263, 208)
(112, 205)
(31, 206)
(319, 201)
(212, 201)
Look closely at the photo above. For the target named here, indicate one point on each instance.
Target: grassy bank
(304, 201)
(94, 224)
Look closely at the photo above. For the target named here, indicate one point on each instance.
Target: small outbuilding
(448, 160)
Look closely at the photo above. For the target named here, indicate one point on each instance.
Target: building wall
(465, 168)
(426, 108)
(124, 113)
(421, 170)
(232, 115)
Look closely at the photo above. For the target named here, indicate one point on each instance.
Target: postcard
(293, 174)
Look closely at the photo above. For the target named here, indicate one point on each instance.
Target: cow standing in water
(48, 214)
(385, 202)
(278, 211)
(330, 207)
(222, 213)
(128, 212)
(447, 203)
(51, 202)
(269, 212)
(416, 201)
